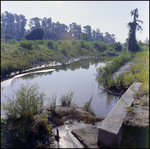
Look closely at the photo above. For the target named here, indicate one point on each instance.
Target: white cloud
(58, 2)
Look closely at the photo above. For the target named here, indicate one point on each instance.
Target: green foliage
(26, 44)
(45, 51)
(87, 104)
(104, 74)
(35, 34)
(110, 51)
(12, 41)
(50, 44)
(27, 102)
(65, 100)
(117, 46)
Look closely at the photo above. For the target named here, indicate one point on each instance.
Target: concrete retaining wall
(110, 131)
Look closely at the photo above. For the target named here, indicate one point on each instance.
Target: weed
(87, 104)
(65, 100)
(130, 110)
(53, 102)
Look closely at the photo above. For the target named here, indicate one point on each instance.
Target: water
(78, 77)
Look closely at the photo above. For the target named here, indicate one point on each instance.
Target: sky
(108, 16)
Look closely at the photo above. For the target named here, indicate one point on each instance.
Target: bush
(110, 51)
(27, 102)
(12, 41)
(65, 100)
(26, 44)
(50, 44)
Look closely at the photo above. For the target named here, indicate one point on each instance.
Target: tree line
(13, 27)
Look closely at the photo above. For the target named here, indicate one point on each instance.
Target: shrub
(12, 41)
(50, 44)
(27, 102)
(73, 41)
(65, 100)
(26, 44)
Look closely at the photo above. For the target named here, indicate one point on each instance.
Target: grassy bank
(18, 56)
(137, 72)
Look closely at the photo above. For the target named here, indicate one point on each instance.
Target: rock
(87, 136)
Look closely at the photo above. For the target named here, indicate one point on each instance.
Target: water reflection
(35, 75)
(78, 77)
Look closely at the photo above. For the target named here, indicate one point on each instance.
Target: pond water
(78, 77)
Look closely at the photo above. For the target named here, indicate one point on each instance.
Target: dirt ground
(139, 116)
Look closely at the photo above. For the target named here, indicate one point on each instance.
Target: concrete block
(110, 131)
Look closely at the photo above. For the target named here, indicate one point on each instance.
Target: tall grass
(87, 104)
(65, 100)
(138, 72)
(104, 74)
(52, 101)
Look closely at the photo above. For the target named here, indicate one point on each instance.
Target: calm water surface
(78, 77)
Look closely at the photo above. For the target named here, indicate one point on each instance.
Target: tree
(75, 30)
(117, 46)
(87, 30)
(34, 23)
(35, 34)
(133, 26)
(13, 25)
(109, 38)
(84, 36)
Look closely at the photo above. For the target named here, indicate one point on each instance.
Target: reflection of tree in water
(84, 63)
(35, 75)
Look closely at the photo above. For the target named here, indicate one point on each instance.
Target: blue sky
(108, 16)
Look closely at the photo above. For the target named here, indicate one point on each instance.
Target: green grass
(137, 72)
(18, 56)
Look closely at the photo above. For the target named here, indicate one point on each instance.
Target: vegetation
(65, 100)
(104, 74)
(137, 72)
(13, 27)
(21, 128)
(35, 34)
(19, 56)
(26, 103)
(133, 26)
(87, 105)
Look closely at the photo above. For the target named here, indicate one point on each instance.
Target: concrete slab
(110, 131)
